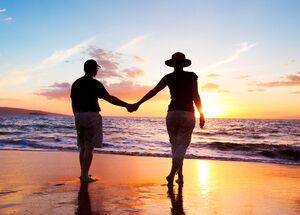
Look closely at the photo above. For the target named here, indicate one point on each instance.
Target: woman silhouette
(180, 119)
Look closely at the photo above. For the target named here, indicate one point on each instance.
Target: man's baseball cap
(90, 65)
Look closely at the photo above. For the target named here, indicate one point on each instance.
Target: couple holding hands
(180, 119)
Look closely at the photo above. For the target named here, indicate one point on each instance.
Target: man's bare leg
(87, 157)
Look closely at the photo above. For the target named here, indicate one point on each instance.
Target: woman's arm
(161, 85)
(197, 101)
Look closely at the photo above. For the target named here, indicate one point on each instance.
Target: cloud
(61, 56)
(210, 86)
(106, 74)
(243, 47)
(256, 90)
(213, 75)
(108, 60)
(213, 87)
(2, 10)
(138, 59)
(111, 61)
(133, 72)
(20, 75)
(126, 90)
(133, 92)
(8, 19)
(132, 43)
(9, 100)
(290, 62)
(290, 80)
(297, 92)
(56, 91)
(243, 77)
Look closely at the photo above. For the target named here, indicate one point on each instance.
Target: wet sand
(47, 183)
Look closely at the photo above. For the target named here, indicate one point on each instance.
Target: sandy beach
(36, 182)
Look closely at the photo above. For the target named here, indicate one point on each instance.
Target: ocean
(256, 140)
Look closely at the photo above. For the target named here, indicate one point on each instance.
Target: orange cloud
(124, 90)
(291, 80)
(210, 86)
(213, 87)
(129, 90)
(133, 72)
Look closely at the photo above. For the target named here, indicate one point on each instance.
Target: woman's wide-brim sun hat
(178, 60)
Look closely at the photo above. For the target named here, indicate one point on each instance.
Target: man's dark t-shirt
(180, 85)
(85, 93)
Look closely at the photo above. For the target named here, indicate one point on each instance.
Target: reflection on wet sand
(176, 201)
(84, 203)
(203, 169)
(32, 183)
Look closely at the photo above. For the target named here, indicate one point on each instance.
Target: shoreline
(47, 183)
(135, 154)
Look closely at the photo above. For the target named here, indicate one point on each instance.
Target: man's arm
(73, 107)
(115, 101)
(197, 101)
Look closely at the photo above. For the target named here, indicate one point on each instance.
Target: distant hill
(20, 111)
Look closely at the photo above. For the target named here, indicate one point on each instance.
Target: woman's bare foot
(180, 180)
(88, 179)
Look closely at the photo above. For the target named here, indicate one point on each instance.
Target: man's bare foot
(170, 181)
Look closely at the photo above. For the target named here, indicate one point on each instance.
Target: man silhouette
(85, 93)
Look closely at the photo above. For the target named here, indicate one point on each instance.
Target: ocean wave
(285, 152)
(289, 153)
(275, 141)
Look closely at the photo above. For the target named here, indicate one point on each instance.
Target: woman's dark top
(180, 85)
(85, 93)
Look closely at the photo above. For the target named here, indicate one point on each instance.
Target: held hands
(132, 107)
(202, 121)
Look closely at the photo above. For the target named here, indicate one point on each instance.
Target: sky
(245, 53)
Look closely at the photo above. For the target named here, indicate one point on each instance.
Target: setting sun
(212, 108)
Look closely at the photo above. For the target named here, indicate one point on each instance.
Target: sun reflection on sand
(203, 171)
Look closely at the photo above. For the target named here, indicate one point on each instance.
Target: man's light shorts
(89, 129)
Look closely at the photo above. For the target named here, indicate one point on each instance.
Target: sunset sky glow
(245, 53)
